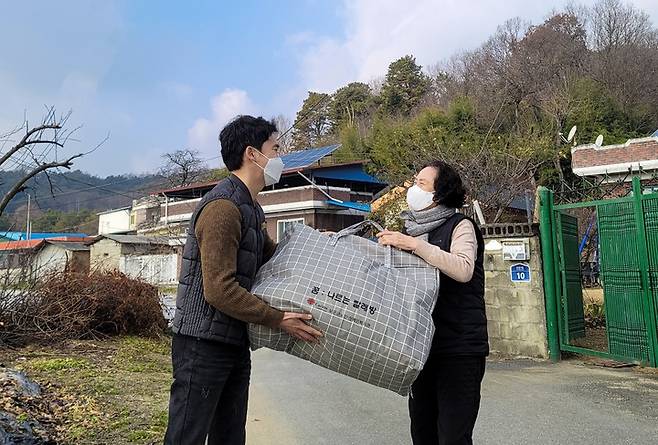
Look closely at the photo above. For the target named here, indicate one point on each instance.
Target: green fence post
(550, 295)
(649, 312)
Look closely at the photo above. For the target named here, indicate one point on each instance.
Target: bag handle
(354, 229)
(358, 227)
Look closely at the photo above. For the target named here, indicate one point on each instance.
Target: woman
(445, 398)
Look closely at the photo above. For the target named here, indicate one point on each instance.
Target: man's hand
(397, 239)
(293, 323)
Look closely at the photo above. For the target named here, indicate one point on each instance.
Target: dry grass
(101, 392)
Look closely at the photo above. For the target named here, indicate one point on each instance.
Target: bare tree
(283, 124)
(183, 167)
(625, 44)
(37, 150)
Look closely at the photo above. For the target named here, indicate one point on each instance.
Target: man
(226, 245)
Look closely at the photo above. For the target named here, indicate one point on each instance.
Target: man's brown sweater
(218, 232)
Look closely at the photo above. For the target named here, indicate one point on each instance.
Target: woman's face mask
(418, 199)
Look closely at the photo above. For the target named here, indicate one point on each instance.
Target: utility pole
(27, 224)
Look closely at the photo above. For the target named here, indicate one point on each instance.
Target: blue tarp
(361, 206)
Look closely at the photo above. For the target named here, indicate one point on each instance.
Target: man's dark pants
(209, 393)
(445, 399)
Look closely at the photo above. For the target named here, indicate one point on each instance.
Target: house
(153, 259)
(58, 256)
(341, 197)
(619, 162)
(34, 258)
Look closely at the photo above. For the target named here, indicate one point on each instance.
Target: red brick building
(611, 163)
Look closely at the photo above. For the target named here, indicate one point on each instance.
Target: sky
(157, 76)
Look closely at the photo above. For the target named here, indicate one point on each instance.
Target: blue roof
(18, 236)
(347, 173)
(361, 206)
(305, 158)
(655, 134)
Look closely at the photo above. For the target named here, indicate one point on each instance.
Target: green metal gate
(628, 236)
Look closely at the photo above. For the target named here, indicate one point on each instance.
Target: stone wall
(515, 310)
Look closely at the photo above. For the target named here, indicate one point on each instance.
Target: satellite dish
(572, 133)
(599, 140)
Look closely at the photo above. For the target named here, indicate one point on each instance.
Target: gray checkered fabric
(373, 304)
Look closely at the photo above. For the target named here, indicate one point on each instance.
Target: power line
(99, 187)
(308, 112)
(102, 187)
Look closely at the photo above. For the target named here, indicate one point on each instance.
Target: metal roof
(197, 185)
(134, 239)
(305, 158)
(20, 245)
(16, 236)
(297, 160)
(69, 245)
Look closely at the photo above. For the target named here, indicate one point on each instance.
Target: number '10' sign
(519, 273)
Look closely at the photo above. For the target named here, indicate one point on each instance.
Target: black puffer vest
(459, 315)
(194, 316)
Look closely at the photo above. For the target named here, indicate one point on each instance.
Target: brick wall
(179, 208)
(299, 194)
(635, 150)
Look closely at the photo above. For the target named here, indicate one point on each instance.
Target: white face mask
(418, 199)
(273, 169)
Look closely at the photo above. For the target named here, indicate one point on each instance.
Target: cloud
(203, 134)
(377, 32)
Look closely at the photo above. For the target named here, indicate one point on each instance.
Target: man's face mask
(273, 169)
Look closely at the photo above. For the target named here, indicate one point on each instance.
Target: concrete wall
(105, 255)
(515, 311)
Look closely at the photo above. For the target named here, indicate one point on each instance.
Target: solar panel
(304, 158)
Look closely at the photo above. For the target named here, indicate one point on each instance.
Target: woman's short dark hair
(449, 189)
(241, 132)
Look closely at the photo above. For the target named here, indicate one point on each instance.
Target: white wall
(114, 222)
(156, 269)
(50, 259)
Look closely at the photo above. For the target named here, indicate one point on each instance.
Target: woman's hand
(396, 239)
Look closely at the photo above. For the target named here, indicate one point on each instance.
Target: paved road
(524, 402)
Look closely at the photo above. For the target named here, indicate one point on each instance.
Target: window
(284, 224)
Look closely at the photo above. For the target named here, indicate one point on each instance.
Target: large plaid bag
(373, 304)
